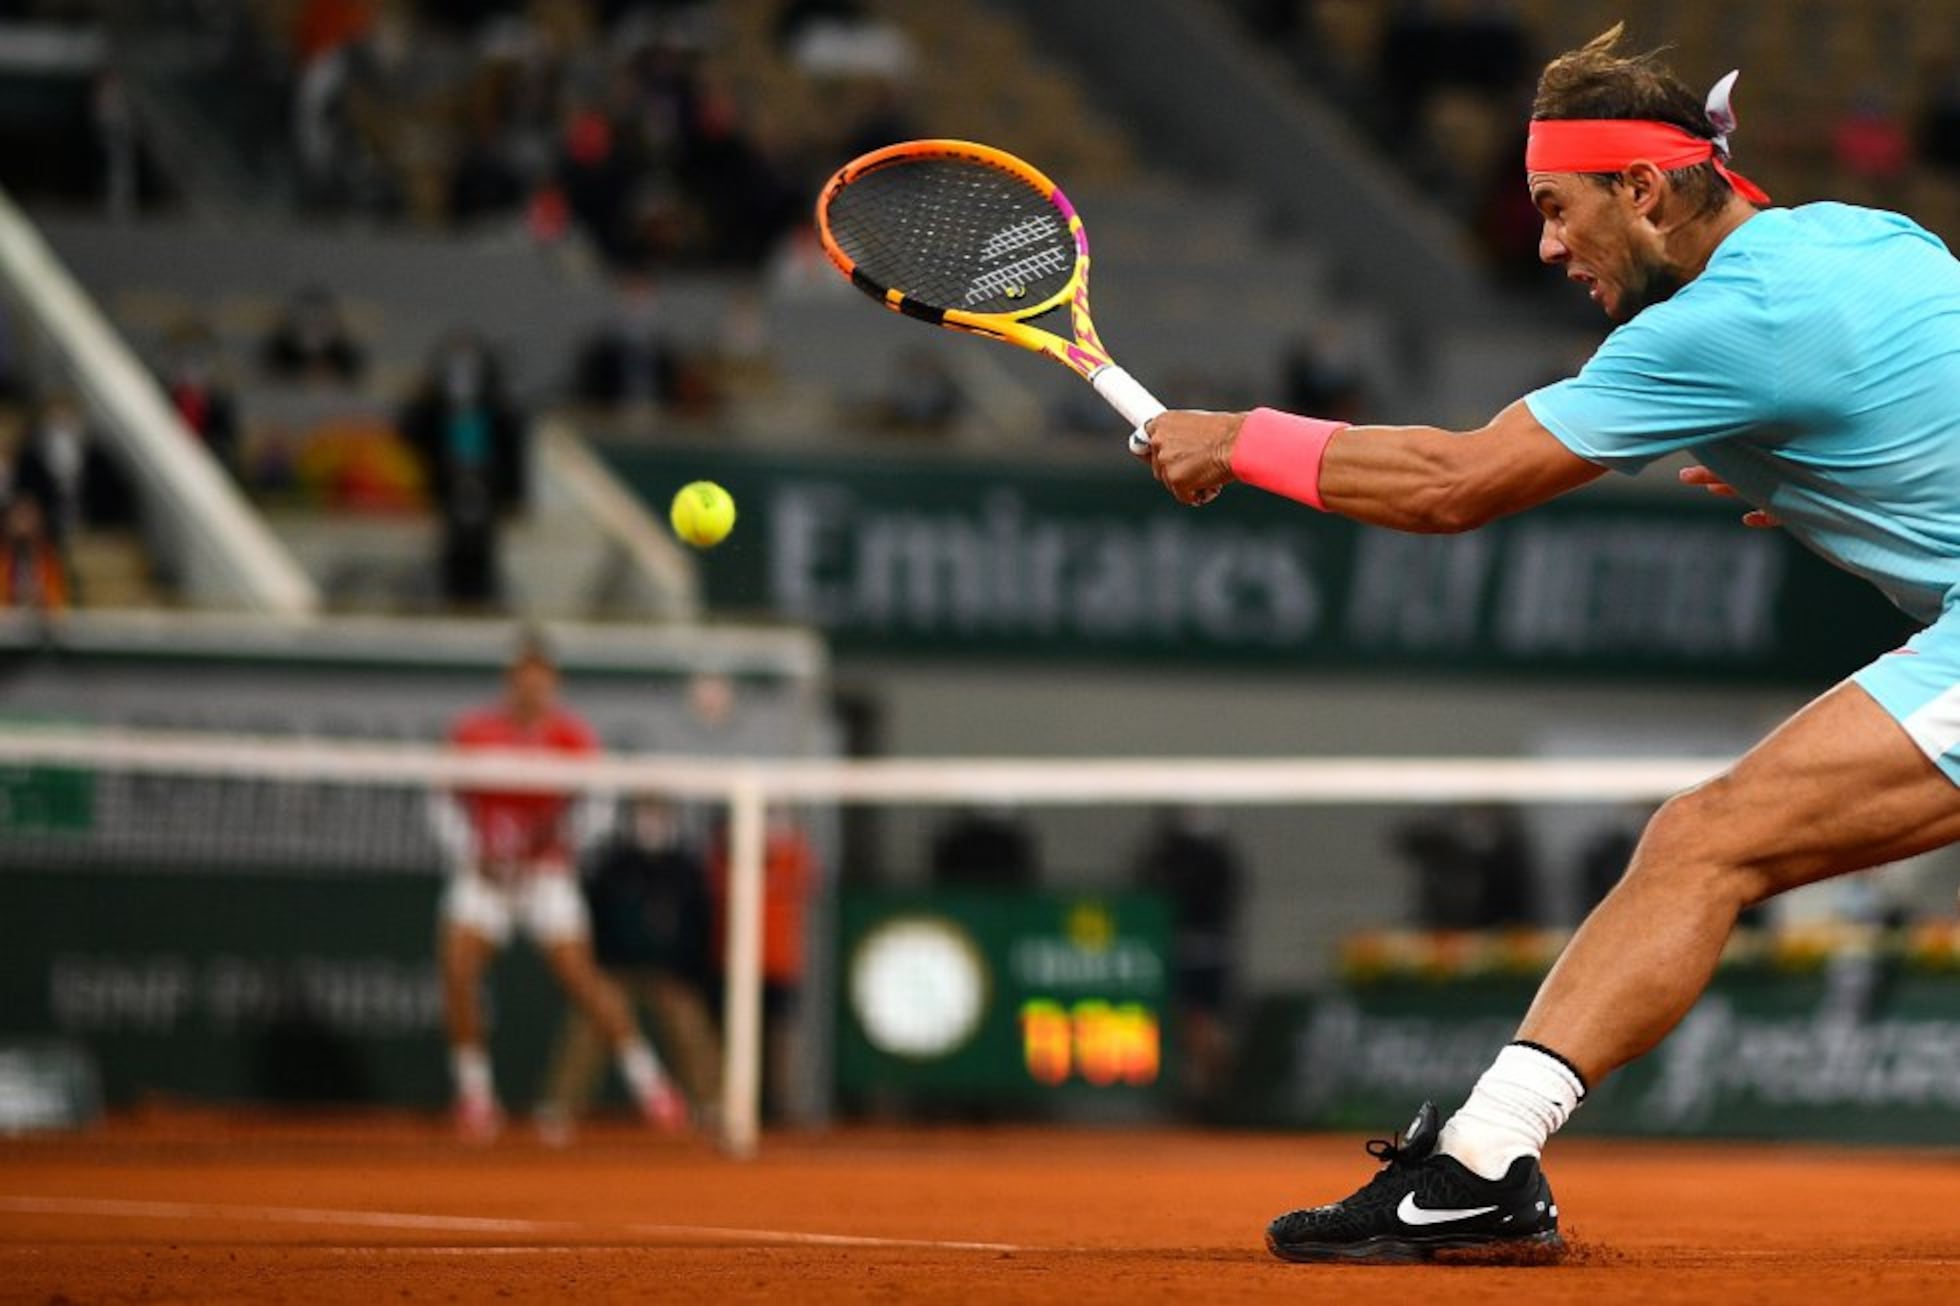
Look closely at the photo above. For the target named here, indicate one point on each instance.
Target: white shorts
(548, 907)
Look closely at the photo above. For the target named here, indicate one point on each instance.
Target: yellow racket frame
(1083, 353)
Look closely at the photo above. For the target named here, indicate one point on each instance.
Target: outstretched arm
(1410, 478)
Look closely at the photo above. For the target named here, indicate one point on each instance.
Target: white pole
(741, 1081)
(230, 554)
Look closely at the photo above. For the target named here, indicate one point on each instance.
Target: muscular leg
(1838, 788)
(465, 956)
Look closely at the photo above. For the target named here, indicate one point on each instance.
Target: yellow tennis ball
(702, 514)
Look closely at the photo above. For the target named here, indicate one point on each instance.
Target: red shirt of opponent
(518, 831)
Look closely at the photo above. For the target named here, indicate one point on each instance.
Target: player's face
(533, 687)
(1602, 241)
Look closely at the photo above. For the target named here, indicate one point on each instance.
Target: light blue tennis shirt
(1814, 365)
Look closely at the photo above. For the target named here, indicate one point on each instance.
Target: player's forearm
(1408, 478)
(1411, 478)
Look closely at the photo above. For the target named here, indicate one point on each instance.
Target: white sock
(470, 1064)
(640, 1068)
(1518, 1103)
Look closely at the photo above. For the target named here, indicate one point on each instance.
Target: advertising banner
(943, 556)
(1859, 1045)
(255, 988)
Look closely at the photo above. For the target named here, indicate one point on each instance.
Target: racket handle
(1127, 396)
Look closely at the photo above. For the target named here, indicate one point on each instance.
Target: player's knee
(1689, 846)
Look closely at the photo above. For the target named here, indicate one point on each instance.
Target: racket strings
(954, 234)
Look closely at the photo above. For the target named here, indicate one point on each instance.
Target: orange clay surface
(207, 1208)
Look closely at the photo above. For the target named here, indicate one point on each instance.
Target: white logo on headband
(1720, 116)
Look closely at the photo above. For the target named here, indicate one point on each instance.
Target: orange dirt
(215, 1209)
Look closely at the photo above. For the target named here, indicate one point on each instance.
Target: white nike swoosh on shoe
(1409, 1213)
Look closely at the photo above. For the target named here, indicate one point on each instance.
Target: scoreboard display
(971, 997)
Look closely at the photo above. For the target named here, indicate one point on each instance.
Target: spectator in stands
(747, 201)
(334, 166)
(790, 875)
(1606, 854)
(596, 179)
(1190, 862)
(1473, 868)
(116, 137)
(1319, 374)
(484, 184)
(987, 848)
(879, 121)
(71, 476)
(1506, 223)
(630, 363)
(311, 343)
(718, 719)
(14, 386)
(841, 38)
(1434, 45)
(32, 572)
(1937, 126)
(1872, 148)
(471, 442)
(923, 397)
(192, 377)
(510, 856)
(647, 890)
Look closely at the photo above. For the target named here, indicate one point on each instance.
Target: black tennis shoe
(1424, 1206)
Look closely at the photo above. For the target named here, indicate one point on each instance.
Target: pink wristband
(1280, 452)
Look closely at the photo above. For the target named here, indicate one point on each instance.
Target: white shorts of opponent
(547, 906)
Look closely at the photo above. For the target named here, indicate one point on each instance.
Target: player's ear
(1646, 186)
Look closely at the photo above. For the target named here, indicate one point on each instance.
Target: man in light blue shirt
(1809, 360)
(1813, 366)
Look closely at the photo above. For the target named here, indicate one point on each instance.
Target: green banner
(43, 798)
(225, 987)
(1861, 1049)
(969, 997)
(963, 558)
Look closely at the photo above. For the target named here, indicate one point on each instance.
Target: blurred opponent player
(511, 856)
(1809, 360)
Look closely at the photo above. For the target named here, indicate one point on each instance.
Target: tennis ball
(702, 514)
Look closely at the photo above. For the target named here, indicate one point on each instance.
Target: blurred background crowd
(435, 283)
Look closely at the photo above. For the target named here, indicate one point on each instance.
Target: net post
(741, 1082)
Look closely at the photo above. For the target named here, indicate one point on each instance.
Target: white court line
(142, 1210)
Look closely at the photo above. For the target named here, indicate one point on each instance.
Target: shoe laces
(1388, 1151)
(1387, 1181)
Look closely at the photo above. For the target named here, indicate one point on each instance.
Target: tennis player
(1809, 360)
(511, 865)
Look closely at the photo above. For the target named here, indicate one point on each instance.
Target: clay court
(225, 1210)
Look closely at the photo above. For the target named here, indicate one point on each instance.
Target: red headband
(1610, 144)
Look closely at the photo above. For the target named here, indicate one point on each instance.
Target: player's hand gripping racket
(969, 237)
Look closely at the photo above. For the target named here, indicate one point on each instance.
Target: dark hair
(1595, 82)
(533, 645)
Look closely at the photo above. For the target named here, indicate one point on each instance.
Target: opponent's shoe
(1423, 1205)
(478, 1119)
(664, 1108)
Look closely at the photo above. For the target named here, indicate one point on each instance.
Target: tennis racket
(969, 237)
